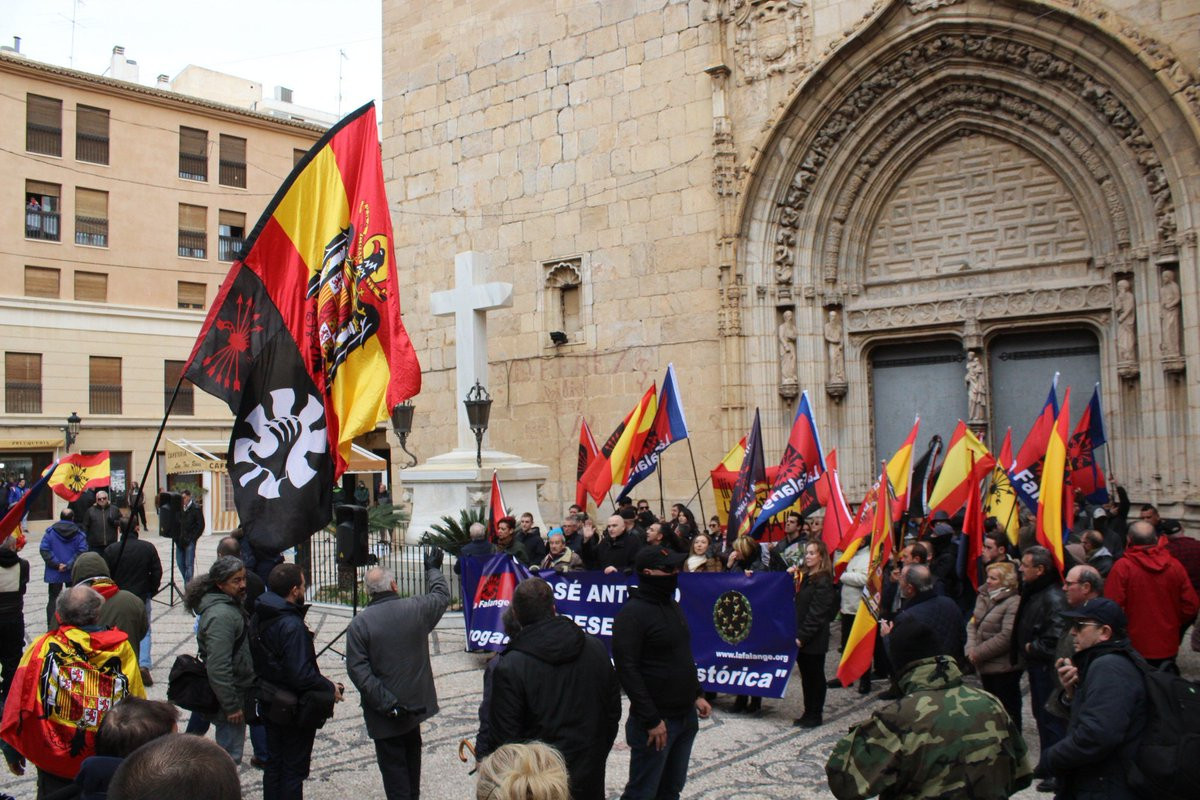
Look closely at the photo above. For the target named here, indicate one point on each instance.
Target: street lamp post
(479, 408)
(71, 430)
(402, 418)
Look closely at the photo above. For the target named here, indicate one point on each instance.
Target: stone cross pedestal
(447, 483)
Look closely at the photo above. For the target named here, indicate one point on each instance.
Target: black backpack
(1167, 764)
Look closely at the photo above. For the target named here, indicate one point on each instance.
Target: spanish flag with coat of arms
(304, 340)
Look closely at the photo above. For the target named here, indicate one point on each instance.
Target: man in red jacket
(1154, 591)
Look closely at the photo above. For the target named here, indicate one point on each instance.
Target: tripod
(173, 591)
(353, 614)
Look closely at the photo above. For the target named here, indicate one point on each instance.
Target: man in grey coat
(387, 658)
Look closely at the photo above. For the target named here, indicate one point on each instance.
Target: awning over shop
(185, 455)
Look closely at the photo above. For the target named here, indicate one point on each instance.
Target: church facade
(907, 207)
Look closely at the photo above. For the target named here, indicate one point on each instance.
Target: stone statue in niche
(1126, 330)
(1172, 317)
(833, 347)
(976, 389)
(788, 333)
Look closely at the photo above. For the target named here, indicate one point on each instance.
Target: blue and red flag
(12, 519)
(669, 426)
(751, 487)
(802, 464)
(1086, 474)
(1026, 469)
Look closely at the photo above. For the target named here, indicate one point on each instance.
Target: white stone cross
(469, 301)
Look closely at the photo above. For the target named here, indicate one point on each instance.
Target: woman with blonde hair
(530, 771)
(989, 636)
(816, 606)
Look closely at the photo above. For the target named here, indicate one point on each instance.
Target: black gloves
(433, 558)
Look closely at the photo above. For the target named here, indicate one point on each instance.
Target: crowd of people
(1081, 636)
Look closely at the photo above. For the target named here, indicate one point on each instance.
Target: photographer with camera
(387, 658)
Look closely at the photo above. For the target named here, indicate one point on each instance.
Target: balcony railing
(233, 173)
(185, 401)
(23, 397)
(104, 398)
(41, 224)
(193, 244)
(192, 167)
(228, 247)
(43, 139)
(92, 231)
(91, 147)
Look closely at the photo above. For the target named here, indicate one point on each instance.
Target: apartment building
(126, 207)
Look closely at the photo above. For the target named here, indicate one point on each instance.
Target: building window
(193, 154)
(41, 210)
(41, 282)
(564, 300)
(233, 161)
(43, 125)
(297, 156)
(91, 134)
(191, 295)
(23, 383)
(231, 233)
(104, 385)
(91, 217)
(193, 236)
(91, 287)
(185, 401)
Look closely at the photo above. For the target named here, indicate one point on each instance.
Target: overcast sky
(293, 43)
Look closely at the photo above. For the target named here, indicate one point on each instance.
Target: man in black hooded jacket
(554, 683)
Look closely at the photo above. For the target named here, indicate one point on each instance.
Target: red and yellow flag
(1001, 500)
(1054, 494)
(66, 682)
(76, 473)
(966, 458)
(612, 464)
(899, 469)
(860, 646)
(304, 340)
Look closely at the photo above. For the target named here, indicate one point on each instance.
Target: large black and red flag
(304, 341)
(750, 490)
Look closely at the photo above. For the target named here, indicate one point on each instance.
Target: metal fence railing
(328, 584)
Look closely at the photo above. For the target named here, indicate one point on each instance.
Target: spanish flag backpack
(66, 682)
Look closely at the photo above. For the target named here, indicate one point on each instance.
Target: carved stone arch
(1113, 120)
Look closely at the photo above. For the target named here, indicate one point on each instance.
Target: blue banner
(488, 585)
(743, 628)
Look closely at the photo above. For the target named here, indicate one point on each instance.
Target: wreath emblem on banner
(733, 616)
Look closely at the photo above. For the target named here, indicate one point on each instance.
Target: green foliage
(453, 533)
(380, 518)
(198, 491)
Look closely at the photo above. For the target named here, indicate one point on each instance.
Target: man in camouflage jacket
(940, 739)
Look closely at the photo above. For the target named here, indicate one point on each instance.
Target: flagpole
(696, 478)
(138, 496)
(699, 487)
(662, 502)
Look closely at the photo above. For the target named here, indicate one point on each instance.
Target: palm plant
(453, 533)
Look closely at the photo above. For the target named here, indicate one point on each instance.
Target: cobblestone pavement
(734, 758)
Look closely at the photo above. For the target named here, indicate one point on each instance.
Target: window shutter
(233, 149)
(191, 218)
(41, 282)
(91, 203)
(191, 295)
(92, 121)
(91, 286)
(23, 367)
(193, 142)
(105, 371)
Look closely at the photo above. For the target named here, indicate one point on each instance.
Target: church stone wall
(647, 143)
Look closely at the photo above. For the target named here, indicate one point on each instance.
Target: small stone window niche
(566, 310)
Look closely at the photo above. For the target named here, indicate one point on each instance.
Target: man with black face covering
(653, 655)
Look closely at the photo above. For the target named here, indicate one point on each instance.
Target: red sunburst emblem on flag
(226, 364)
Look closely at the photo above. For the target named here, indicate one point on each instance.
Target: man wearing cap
(1185, 549)
(1105, 696)
(653, 654)
(941, 738)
